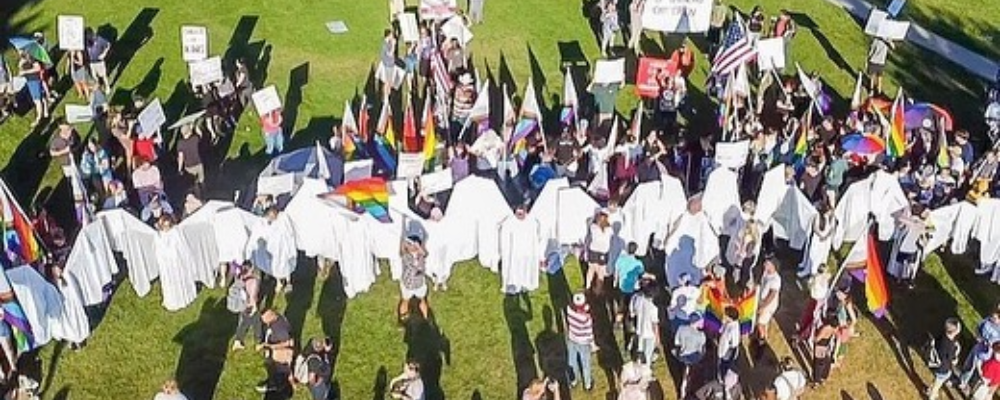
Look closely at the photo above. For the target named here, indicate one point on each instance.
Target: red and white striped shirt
(580, 325)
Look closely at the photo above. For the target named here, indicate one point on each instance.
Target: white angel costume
(691, 246)
(819, 245)
(965, 224)
(176, 279)
(92, 262)
(41, 302)
(522, 248)
(74, 325)
(271, 247)
(650, 210)
(908, 240)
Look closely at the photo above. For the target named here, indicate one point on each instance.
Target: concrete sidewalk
(973, 62)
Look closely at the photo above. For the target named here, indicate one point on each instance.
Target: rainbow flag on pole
(715, 303)
(14, 316)
(897, 128)
(369, 195)
(802, 142)
(19, 238)
(430, 134)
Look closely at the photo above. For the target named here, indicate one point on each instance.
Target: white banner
(875, 19)
(732, 155)
(437, 181)
(194, 43)
(408, 27)
(266, 100)
(355, 170)
(151, 118)
(437, 9)
(893, 30)
(77, 114)
(680, 16)
(410, 165)
(771, 53)
(206, 71)
(609, 71)
(70, 32)
(276, 184)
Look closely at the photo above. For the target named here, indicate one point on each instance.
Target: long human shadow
(522, 351)
(300, 299)
(609, 357)
(805, 21)
(8, 26)
(22, 173)
(430, 348)
(506, 77)
(560, 296)
(203, 355)
(552, 352)
(298, 77)
(381, 383)
(137, 34)
(591, 11)
(331, 309)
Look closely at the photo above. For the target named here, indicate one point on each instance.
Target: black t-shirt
(279, 331)
(190, 148)
(566, 151)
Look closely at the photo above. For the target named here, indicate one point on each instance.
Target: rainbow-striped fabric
(369, 195)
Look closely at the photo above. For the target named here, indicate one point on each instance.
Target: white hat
(579, 299)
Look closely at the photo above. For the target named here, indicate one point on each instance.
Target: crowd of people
(785, 121)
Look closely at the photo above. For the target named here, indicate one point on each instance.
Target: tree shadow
(150, 82)
(300, 299)
(591, 11)
(203, 355)
(429, 346)
(552, 352)
(136, 35)
(22, 172)
(522, 351)
(505, 76)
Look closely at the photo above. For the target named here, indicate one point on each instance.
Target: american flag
(736, 49)
(442, 84)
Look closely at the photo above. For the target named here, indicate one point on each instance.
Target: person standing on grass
(609, 26)
(944, 358)
(189, 158)
(278, 347)
(413, 283)
(476, 11)
(271, 248)
(646, 317)
(689, 348)
(990, 376)
(785, 28)
(628, 272)
(789, 384)
(634, 379)
(31, 70)
(77, 68)
(987, 333)
(61, 147)
(170, 391)
(274, 137)
(97, 52)
(770, 294)
(245, 291)
(824, 346)
(580, 340)
(600, 237)
(318, 368)
(539, 389)
(878, 54)
(635, 25)
(408, 385)
(728, 347)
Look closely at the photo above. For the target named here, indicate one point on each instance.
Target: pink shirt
(147, 178)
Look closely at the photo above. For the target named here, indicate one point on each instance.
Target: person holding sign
(877, 55)
(274, 138)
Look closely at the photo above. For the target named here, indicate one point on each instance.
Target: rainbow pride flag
(943, 157)
(14, 316)
(715, 303)
(430, 134)
(896, 146)
(876, 291)
(19, 238)
(802, 142)
(369, 195)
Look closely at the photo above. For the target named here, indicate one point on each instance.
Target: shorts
(35, 89)
(80, 75)
(597, 257)
(407, 294)
(906, 257)
(765, 316)
(197, 171)
(874, 68)
(99, 70)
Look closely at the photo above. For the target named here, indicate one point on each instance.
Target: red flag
(411, 142)
(363, 120)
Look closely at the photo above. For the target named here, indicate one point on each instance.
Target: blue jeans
(579, 361)
(973, 363)
(275, 142)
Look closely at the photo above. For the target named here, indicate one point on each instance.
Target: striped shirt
(580, 324)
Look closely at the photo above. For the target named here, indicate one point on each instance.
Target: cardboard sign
(408, 27)
(437, 181)
(732, 155)
(771, 53)
(78, 114)
(679, 16)
(609, 71)
(70, 32)
(437, 9)
(194, 43)
(356, 170)
(266, 100)
(206, 71)
(151, 119)
(875, 19)
(410, 165)
(647, 83)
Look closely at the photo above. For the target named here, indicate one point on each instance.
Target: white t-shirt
(770, 283)
(647, 317)
(600, 239)
(729, 339)
(789, 384)
(819, 288)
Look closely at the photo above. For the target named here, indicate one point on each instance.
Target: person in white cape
(271, 247)
(176, 279)
(73, 326)
(907, 249)
(820, 242)
(522, 252)
(691, 244)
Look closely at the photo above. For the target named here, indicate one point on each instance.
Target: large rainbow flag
(896, 145)
(876, 291)
(369, 195)
(19, 238)
(715, 303)
(430, 134)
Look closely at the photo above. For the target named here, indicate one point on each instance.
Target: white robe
(177, 278)
(988, 231)
(575, 210)
(202, 256)
(887, 200)
(522, 249)
(272, 247)
(793, 219)
(965, 224)
(772, 192)
(721, 197)
(357, 263)
(92, 262)
(650, 210)
(311, 220)
(691, 247)
(137, 243)
(480, 207)
(74, 326)
(818, 246)
(40, 301)
(942, 223)
(546, 209)
(852, 213)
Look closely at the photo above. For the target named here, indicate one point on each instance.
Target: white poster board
(266, 100)
(410, 165)
(678, 16)
(437, 181)
(194, 43)
(455, 28)
(771, 53)
(408, 27)
(437, 9)
(76, 114)
(187, 120)
(276, 185)
(609, 71)
(732, 155)
(875, 19)
(206, 71)
(397, 76)
(151, 118)
(893, 30)
(336, 27)
(356, 170)
(70, 32)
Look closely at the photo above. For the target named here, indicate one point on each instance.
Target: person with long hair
(820, 241)
(600, 235)
(824, 343)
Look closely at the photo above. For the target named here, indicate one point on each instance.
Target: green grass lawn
(971, 24)
(484, 341)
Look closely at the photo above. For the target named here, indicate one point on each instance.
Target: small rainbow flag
(19, 236)
(715, 303)
(363, 120)
(802, 142)
(411, 143)
(876, 292)
(348, 128)
(430, 134)
(897, 128)
(943, 158)
(369, 195)
(14, 316)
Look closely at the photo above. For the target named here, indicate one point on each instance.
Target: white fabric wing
(202, 255)
(887, 200)
(74, 326)
(794, 217)
(312, 220)
(988, 231)
(721, 195)
(92, 262)
(852, 213)
(41, 302)
(575, 209)
(772, 192)
(545, 208)
(965, 224)
(942, 223)
(137, 243)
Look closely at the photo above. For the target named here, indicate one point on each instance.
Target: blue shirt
(989, 331)
(629, 270)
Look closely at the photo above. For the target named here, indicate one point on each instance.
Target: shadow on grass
(522, 351)
(832, 54)
(331, 308)
(22, 172)
(552, 352)
(430, 348)
(300, 299)
(123, 50)
(381, 384)
(203, 355)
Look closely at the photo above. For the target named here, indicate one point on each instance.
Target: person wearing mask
(943, 358)
(580, 340)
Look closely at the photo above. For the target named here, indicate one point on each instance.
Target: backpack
(301, 370)
(236, 298)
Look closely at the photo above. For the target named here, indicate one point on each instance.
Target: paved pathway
(973, 62)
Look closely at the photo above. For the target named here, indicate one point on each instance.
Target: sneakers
(238, 345)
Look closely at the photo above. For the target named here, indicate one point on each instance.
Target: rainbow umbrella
(917, 113)
(863, 144)
(33, 49)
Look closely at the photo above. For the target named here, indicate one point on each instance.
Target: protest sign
(151, 118)
(893, 30)
(194, 43)
(455, 29)
(437, 9)
(408, 27)
(276, 185)
(437, 181)
(356, 170)
(266, 100)
(875, 19)
(771, 53)
(206, 71)
(677, 16)
(410, 165)
(76, 113)
(70, 32)
(647, 83)
(732, 155)
(609, 71)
